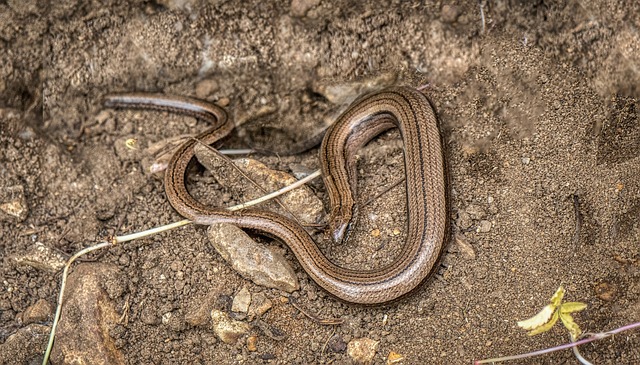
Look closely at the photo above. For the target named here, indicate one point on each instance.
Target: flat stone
(302, 203)
(227, 329)
(255, 262)
(41, 257)
(241, 301)
(88, 315)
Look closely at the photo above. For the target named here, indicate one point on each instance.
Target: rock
(299, 8)
(252, 342)
(241, 301)
(475, 211)
(206, 88)
(260, 304)
(200, 315)
(484, 227)
(13, 204)
(19, 348)
(336, 344)
(345, 93)
(88, 316)
(41, 257)
(605, 291)
(300, 202)
(254, 262)
(449, 13)
(464, 220)
(362, 350)
(39, 312)
(228, 330)
(464, 246)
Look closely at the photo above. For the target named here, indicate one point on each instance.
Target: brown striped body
(370, 115)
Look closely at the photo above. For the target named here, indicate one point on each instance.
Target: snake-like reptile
(401, 107)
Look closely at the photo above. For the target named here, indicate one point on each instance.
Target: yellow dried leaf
(556, 299)
(572, 326)
(394, 358)
(546, 326)
(539, 319)
(571, 307)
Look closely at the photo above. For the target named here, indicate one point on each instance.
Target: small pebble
(526, 160)
(39, 312)
(252, 342)
(228, 330)
(484, 227)
(336, 344)
(205, 88)
(362, 350)
(449, 13)
(241, 301)
(605, 291)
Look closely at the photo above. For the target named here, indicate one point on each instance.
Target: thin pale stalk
(591, 338)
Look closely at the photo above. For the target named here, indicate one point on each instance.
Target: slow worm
(367, 117)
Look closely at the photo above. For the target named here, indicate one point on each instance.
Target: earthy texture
(537, 102)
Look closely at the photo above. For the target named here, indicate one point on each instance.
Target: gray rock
(253, 261)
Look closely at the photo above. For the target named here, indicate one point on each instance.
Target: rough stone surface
(88, 315)
(228, 330)
(301, 202)
(13, 205)
(241, 301)
(362, 350)
(299, 8)
(38, 312)
(253, 261)
(19, 347)
(42, 257)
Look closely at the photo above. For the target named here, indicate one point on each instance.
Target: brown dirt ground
(539, 113)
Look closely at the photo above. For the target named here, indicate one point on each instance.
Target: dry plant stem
(137, 235)
(279, 192)
(577, 353)
(591, 338)
(85, 251)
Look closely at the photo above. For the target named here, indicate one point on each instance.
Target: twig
(101, 245)
(278, 192)
(481, 15)
(120, 239)
(591, 338)
(313, 317)
(384, 191)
